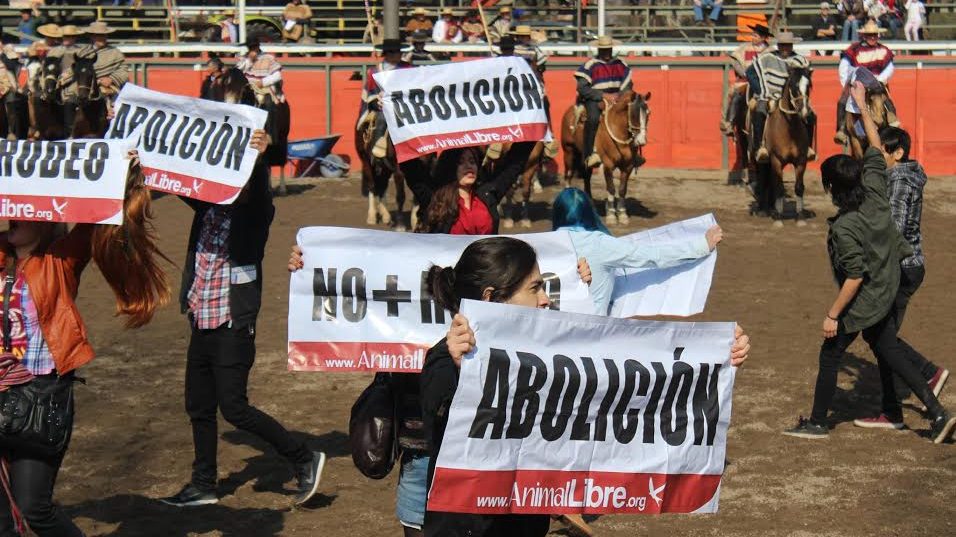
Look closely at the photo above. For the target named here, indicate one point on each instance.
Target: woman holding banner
(497, 269)
(45, 342)
(574, 212)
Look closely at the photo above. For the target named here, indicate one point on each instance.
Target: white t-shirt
(915, 11)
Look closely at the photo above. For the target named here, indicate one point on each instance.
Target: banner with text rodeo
(189, 147)
(361, 304)
(80, 181)
(461, 104)
(568, 413)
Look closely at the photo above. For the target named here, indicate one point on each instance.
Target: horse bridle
(95, 94)
(632, 129)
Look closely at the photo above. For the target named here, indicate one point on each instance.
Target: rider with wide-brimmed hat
(371, 93)
(110, 68)
(741, 59)
(601, 75)
(869, 55)
(263, 71)
(51, 37)
(68, 48)
(767, 76)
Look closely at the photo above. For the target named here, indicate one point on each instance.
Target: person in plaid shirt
(221, 294)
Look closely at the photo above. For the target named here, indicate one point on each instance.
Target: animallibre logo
(162, 181)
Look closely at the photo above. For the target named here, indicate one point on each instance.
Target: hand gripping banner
(78, 181)
(361, 302)
(189, 147)
(460, 104)
(558, 412)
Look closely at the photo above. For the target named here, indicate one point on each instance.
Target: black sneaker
(191, 496)
(807, 429)
(308, 475)
(942, 428)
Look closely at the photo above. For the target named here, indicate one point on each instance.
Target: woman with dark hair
(865, 250)
(45, 340)
(496, 269)
(574, 212)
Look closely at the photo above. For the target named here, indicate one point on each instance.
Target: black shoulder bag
(36, 417)
(373, 429)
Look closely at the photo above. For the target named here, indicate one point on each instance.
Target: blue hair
(573, 208)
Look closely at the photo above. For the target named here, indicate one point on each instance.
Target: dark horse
(92, 106)
(13, 119)
(787, 141)
(233, 87)
(376, 173)
(46, 110)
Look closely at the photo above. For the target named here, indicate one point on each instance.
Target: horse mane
(128, 256)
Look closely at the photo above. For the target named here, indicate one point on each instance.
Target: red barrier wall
(685, 110)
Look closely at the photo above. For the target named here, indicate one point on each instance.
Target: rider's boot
(493, 152)
(759, 124)
(891, 118)
(590, 132)
(762, 154)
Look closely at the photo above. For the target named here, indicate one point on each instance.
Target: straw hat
(604, 42)
(71, 30)
(505, 10)
(419, 11)
(10, 52)
(786, 38)
(522, 30)
(99, 28)
(871, 28)
(448, 11)
(50, 30)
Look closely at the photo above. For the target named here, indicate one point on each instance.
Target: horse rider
(51, 38)
(371, 94)
(869, 55)
(264, 74)
(418, 52)
(68, 48)
(767, 76)
(501, 26)
(214, 69)
(526, 48)
(600, 78)
(740, 59)
(9, 84)
(110, 68)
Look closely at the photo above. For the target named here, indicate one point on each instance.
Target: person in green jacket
(865, 250)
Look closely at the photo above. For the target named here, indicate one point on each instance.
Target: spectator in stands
(27, 27)
(879, 11)
(501, 26)
(419, 21)
(295, 20)
(418, 53)
(714, 5)
(446, 29)
(471, 28)
(374, 32)
(915, 15)
(824, 27)
(229, 27)
(853, 17)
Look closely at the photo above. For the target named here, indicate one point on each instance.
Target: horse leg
(798, 188)
(612, 216)
(527, 179)
(775, 186)
(400, 202)
(507, 209)
(622, 216)
(368, 182)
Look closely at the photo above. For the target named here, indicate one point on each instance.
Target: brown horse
(621, 135)
(46, 112)
(876, 99)
(788, 142)
(91, 109)
(376, 173)
(526, 184)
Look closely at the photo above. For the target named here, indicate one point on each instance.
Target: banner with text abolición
(361, 301)
(461, 104)
(567, 413)
(189, 147)
(77, 181)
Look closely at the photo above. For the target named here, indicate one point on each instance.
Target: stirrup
(493, 152)
(380, 150)
(551, 149)
(840, 138)
(726, 128)
(762, 154)
(593, 161)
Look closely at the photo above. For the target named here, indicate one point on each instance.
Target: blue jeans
(714, 10)
(849, 29)
(412, 491)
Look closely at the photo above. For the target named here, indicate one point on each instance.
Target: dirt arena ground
(132, 442)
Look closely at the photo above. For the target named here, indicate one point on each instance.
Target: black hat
(253, 44)
(390, 45)
(506, 41)
(421, 36)
(760, 30)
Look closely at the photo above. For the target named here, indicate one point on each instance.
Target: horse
(376, 173)
(45, 108)
(233, 87)
(14, 122)
(621, 135)
(741, 145)
(91, 110)
(876, 99)
(526, 182)
(787, 141)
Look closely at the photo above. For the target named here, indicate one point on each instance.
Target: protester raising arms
(496, 269)
(574, 212)
(42, 263)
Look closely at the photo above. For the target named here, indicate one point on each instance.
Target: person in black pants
(221, 293)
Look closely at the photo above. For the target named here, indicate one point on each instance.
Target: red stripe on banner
(189, 186)
(58, 209)
(423, 145)
(356, 356)
(565, 492)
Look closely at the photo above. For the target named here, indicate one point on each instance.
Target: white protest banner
(567, 413)
(361, 302)
(460, 104)
(189, 147)
(79, 181)
(680, 290)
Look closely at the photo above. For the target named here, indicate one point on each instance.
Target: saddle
(581, 114)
